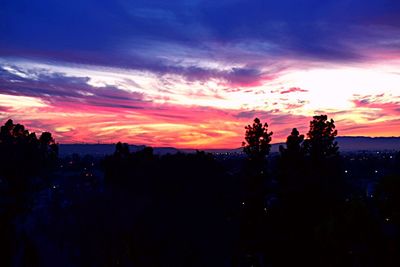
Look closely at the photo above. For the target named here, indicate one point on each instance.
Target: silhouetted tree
(121, 150)
(292, 161)
(320, 143)
(46, 139)
(48, 146)
(22, 156)
(122, 165)
(256, 146)
(257, 141)
(293, 145)
(310, 190)
(324, 191)
(324, 165)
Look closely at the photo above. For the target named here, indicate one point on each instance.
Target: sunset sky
(192, 74)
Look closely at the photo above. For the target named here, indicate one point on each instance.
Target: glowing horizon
(185, 78)
(91, 105)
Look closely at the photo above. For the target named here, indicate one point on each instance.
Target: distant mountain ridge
(351, 143)
(106, 149)
(346, 144)
(360, 143)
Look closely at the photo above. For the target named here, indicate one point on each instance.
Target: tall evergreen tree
(257, 140)
(320, 143)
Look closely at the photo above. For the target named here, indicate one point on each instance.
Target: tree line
(190, 210)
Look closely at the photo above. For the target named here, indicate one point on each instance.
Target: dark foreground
(201, 210)
(308, 205)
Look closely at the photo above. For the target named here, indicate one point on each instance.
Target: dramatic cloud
(193, 73)
(378, 107)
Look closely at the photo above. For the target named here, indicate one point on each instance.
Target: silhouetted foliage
(292, 165)
(310, 191)
(22, 154)
(320, 142)
(294, 148)
(181, 200)
(323, 151)
(202, 209)
(257, 141)
(252, 221)
(121, 150)
(293, 144)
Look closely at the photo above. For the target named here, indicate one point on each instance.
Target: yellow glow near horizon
(174, 110)
(335, 88)
(17, 102)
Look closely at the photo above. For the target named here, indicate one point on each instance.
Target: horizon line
(191, 148)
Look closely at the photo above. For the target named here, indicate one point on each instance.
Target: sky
(192, 74)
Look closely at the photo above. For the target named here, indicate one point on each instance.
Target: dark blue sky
(137, 33)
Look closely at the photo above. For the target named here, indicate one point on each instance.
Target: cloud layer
(193, 73)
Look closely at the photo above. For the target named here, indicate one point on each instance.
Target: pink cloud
(378, 106)
(77, 112)
(293, 90)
